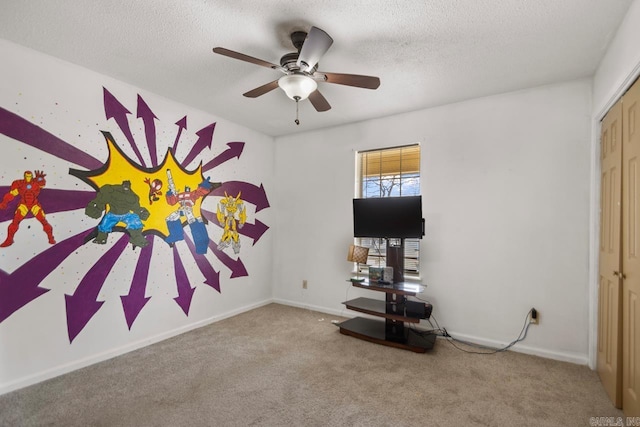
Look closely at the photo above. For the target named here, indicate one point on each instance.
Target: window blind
(389, 172)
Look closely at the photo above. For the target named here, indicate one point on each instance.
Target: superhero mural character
(154, 189)
(186, 200)
(28, 190)
(121, 205)
(228, 208)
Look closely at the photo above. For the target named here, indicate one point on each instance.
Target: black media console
(396, 309)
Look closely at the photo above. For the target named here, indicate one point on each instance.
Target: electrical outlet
(534, 316)
(304, 284)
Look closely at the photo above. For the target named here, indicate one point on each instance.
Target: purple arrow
(185, 291)
(254, 231)
(211, 276)
(250, 193)
(205, 138)
(234, 150)
(26, 132)
(52, 201)
(182, 124)
(83, 304)
(236, 266)
(134, 301)
(210, 216)
(114, 109)
(147, 116)
(21, 287)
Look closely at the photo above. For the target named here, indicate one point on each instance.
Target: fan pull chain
(297, 98)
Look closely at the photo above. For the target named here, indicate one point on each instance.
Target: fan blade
(316, 44)
(318, 101)
(261, 90)
(243, 57)
(367, 82)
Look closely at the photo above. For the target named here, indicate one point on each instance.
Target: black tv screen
(388, 217)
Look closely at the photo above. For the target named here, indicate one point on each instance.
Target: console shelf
(409, 289)
(396, 310)
(377, 308)
(375, 331)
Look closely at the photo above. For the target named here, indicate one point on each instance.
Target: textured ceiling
(426, 52)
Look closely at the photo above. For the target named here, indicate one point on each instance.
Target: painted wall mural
(27, 190)
(134, 204)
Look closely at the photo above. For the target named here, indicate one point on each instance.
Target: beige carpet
(285, 366)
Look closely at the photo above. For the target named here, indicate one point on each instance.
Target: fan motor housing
(298, 38)
(289, 61)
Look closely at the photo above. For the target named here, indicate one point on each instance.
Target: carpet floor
(284, 366)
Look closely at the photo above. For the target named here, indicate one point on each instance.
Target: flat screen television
(388, 217)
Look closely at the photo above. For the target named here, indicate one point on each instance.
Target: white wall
(67, 101)
(617, 71)
(506, 201)
(621, 64)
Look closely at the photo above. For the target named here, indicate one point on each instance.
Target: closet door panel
(631, 255)
(609, 310)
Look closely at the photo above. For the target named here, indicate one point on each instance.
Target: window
(385, 173)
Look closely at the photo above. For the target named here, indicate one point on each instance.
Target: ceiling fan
(301, 75)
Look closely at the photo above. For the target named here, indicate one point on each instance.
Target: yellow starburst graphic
(120, 168)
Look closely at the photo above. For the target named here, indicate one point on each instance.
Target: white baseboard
(577, 358)
(341, 313)
(100, 357)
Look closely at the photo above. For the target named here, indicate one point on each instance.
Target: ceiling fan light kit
(300, 69)
(297, 86)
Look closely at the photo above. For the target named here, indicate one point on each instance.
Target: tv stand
(396, 310)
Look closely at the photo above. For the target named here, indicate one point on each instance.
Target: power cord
(490, 350)
(346, 298)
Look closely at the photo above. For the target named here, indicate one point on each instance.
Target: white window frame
(377, 251)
